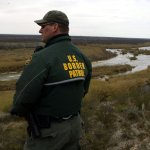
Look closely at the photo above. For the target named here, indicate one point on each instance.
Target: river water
(141, 63)
(9, 76)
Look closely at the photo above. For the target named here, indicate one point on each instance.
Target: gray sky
(113, 18)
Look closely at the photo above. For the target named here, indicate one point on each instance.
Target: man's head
(53, 23)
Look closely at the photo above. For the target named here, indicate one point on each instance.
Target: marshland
(115, 112)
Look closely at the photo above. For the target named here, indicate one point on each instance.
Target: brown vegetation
(96, 52)
(116, 113)
(135, 51)
(14, 60)
(7, 85)
(110, 70)
(12, 130)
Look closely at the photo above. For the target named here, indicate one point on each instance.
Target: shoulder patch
(28, 60)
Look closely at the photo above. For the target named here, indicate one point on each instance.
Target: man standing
(50, 90)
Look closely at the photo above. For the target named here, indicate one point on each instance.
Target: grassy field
(96, 52)
(14, 60)
(5, 100)
(116, 112)
(7, 85)
(100, 72)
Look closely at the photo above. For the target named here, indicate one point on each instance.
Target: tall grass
(95, 52)
(12, 132)
(7, 85)
(125, 46)
(5, 100)
(12, 129)
(14, 60)
(101, 71)
(116, 113)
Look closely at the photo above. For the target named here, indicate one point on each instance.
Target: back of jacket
(55, 80)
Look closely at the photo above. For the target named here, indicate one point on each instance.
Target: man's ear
(55, 27)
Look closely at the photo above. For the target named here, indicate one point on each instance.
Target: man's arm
(29, 86)
(88, 77)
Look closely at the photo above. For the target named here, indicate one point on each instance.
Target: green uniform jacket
(55, 80)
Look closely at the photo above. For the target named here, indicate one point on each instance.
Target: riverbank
(102, 71)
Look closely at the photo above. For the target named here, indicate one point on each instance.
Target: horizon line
(77, 36)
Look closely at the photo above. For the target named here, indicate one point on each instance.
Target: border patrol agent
(50, 90)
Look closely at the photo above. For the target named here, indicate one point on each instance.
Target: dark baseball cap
(54, 16)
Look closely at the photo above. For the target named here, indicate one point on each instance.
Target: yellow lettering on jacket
(74, 67)
(69, 58)
(65, 66)
(28, 60)
(76, 73)
(70, 66)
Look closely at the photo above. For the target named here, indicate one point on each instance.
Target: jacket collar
(57, 38)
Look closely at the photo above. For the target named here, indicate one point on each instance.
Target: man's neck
(58, 35)
(55, 37)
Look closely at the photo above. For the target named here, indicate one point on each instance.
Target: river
(141, 63)
(8, 76)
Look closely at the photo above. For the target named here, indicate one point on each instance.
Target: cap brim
(40, 22)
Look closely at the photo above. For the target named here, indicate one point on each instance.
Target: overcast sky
(110, 18)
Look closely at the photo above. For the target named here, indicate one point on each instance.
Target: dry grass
(110, 70)
(95, 52)
(12, 130)
(125, 46)
(7, 85)
(6, 98)
(13, 60)
(116, 113)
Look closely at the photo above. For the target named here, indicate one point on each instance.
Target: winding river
(141, 63)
